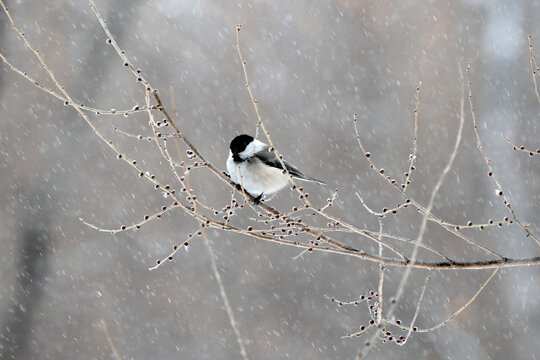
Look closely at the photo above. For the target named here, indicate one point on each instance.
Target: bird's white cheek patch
(254, 147)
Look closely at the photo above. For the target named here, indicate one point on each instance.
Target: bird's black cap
(239, 143)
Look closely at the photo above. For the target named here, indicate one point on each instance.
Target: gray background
(312, 64)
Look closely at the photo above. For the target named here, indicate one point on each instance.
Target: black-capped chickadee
(252, 165)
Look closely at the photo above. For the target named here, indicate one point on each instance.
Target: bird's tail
(307, 178)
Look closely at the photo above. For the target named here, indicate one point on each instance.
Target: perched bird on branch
(254, 166)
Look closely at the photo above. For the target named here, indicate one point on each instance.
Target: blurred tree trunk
(35, 245)
(34, 216)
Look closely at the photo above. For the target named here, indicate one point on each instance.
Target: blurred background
(312, 65)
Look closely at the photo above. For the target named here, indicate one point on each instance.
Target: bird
(254, 166)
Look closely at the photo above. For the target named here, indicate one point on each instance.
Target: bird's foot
(257, 200)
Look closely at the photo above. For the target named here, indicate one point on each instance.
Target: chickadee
(252, 165)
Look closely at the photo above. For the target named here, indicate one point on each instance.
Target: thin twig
(417, 310)
(110, 340)
(493, 176)
(535, 70)
(225, 298)
(114, 112)
(248, 86)
(382, 268)
(522, 148)
(415, 139)
(434, 193)
(471, 300)
(456, 313)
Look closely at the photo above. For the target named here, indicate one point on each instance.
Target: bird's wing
(270, 159)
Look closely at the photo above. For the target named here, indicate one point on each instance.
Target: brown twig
(535, 70)
(522, 148)
(491, 173)
(110, 340)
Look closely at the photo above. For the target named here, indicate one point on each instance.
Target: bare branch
(491, 173)
(535, 70)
